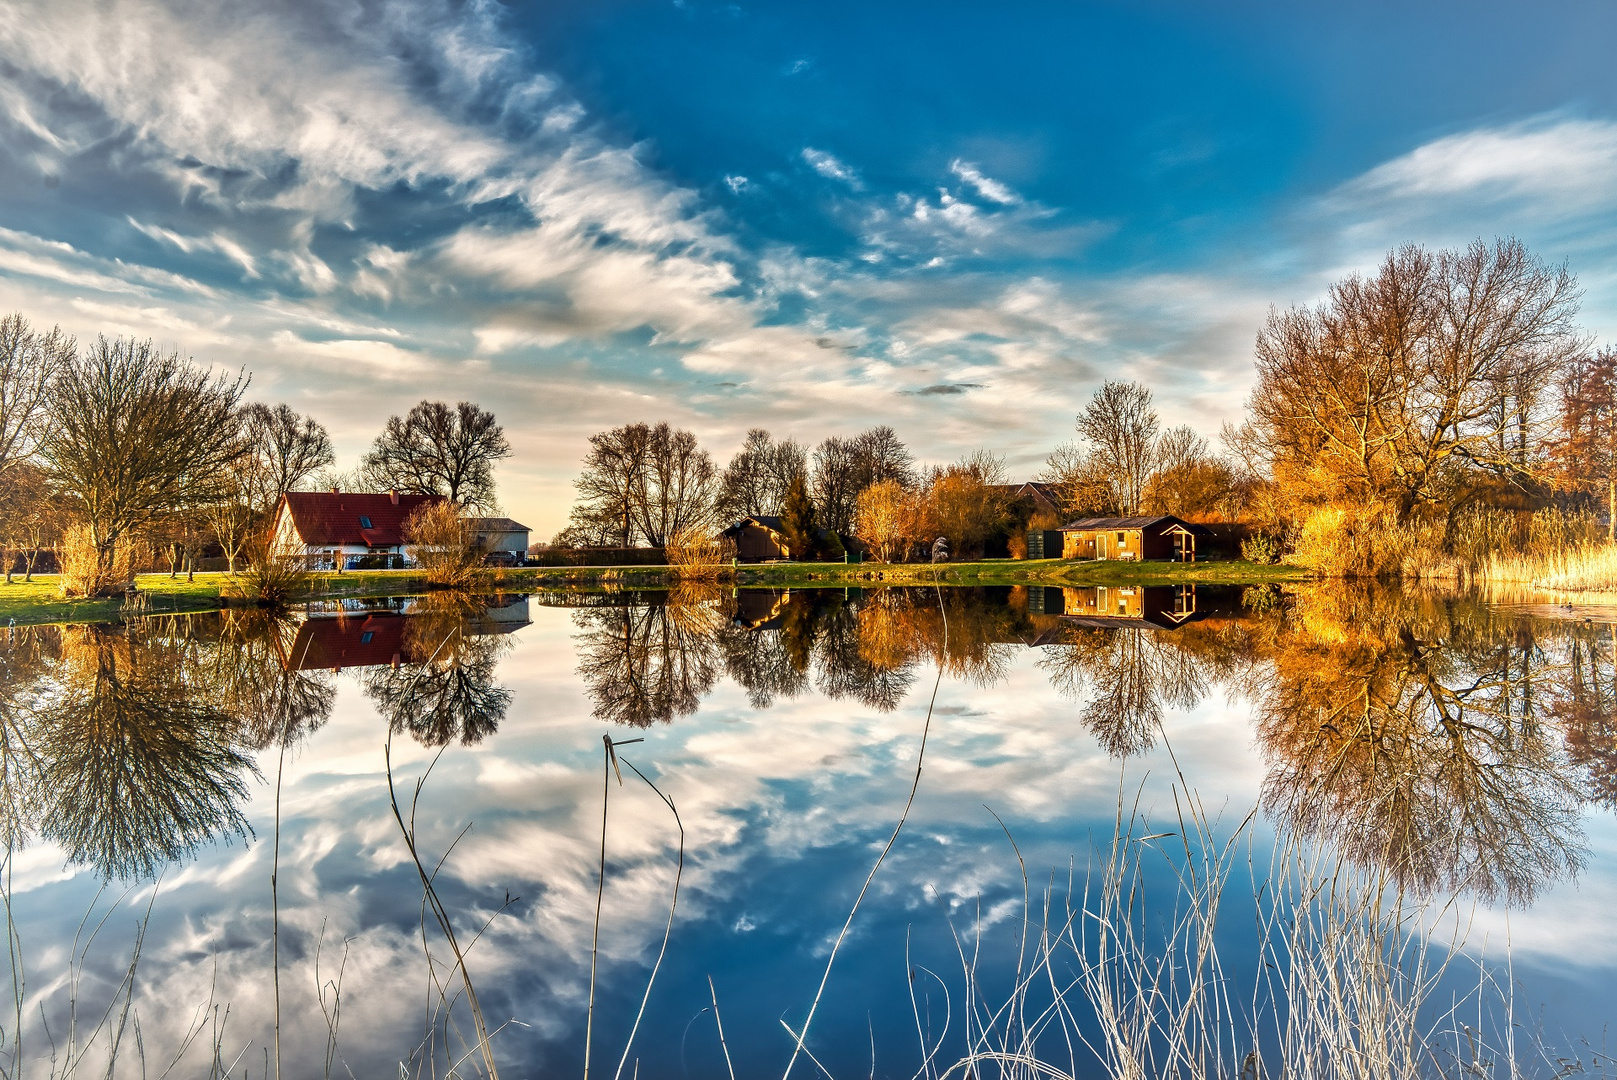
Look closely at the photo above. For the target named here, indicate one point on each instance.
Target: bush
(444, 546)
(1261, 548)
(832, 549)
(87, 570)
(697, 555)
(273, 574)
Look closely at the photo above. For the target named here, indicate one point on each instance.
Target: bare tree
(1181, 447)
(438, 450)
(835, 484)
(756, 480)
(1120, 427)
(1586, 446)
(845, 467)
(1412, 387)
(29, 516)
(882, 456)
(677, 487)
(646, 483)
(1082, 485)
(28, 362)
(284, 450)
(136, 434)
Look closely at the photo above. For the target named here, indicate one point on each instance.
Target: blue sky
(957, 219)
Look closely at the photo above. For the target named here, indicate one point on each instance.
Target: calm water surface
(1467, 753)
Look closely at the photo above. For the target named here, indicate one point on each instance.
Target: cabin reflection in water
(389, 635)
(1140, 607)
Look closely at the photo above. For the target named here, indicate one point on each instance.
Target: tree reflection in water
(274, 700)
(131, 746)
(647, 663)
(1419, 738)
(138, 763)
(23, 662)
(450, 690)
(1439, 742)
(650, 658)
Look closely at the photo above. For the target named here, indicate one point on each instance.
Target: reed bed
(1582, 569)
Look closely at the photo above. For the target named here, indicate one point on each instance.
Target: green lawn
(23, 603)
(37, 601)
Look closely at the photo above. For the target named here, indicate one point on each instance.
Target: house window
(1122, 538)
(365, 638)
(364, 522)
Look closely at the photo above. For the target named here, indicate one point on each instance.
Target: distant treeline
(1446, 393)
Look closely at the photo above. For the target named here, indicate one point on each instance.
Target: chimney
(393, 494)
(334, 490)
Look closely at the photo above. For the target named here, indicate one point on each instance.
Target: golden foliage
(441, 542)
(695, 554)
(91, 569)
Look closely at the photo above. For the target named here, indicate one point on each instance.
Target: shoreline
(35, 603)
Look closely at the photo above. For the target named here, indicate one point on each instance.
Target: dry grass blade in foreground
(1354, 980)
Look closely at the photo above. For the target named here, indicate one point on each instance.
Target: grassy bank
(37, 602)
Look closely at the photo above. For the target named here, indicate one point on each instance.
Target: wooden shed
(759, 537)
(1136, 538)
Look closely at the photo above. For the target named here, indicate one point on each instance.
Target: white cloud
(986, 186)
(828, 166)
(219, 242)
(1569, 161)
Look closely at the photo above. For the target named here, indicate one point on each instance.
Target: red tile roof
(328, 517)
(369, 641)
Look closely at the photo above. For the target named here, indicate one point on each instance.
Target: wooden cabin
(759, 537)
(1137, 607)
(1135, 538)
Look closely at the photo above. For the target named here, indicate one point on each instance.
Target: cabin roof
(334, 517)
(1101, 524)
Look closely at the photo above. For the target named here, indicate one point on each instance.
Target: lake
(1113, 842)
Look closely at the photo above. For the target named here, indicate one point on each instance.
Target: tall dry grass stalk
(1353, 980)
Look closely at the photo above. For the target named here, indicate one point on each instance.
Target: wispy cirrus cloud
(831, 167)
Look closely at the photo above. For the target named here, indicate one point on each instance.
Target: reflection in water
(1445, 744)
(439, 684)
(138, 763)
(1442, 743)
(130, 747)
(1417, 737)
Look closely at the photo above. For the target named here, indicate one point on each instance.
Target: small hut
(759, 537)
(1138, 538)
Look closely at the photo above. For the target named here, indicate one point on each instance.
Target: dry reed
(1352, 982)
(1582, 569)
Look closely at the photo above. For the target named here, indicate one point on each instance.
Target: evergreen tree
(797, 519)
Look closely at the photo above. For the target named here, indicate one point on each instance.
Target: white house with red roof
(345, 524)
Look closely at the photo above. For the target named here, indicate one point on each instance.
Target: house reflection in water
(382, 637)
(760, 609)
(1140, 607)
